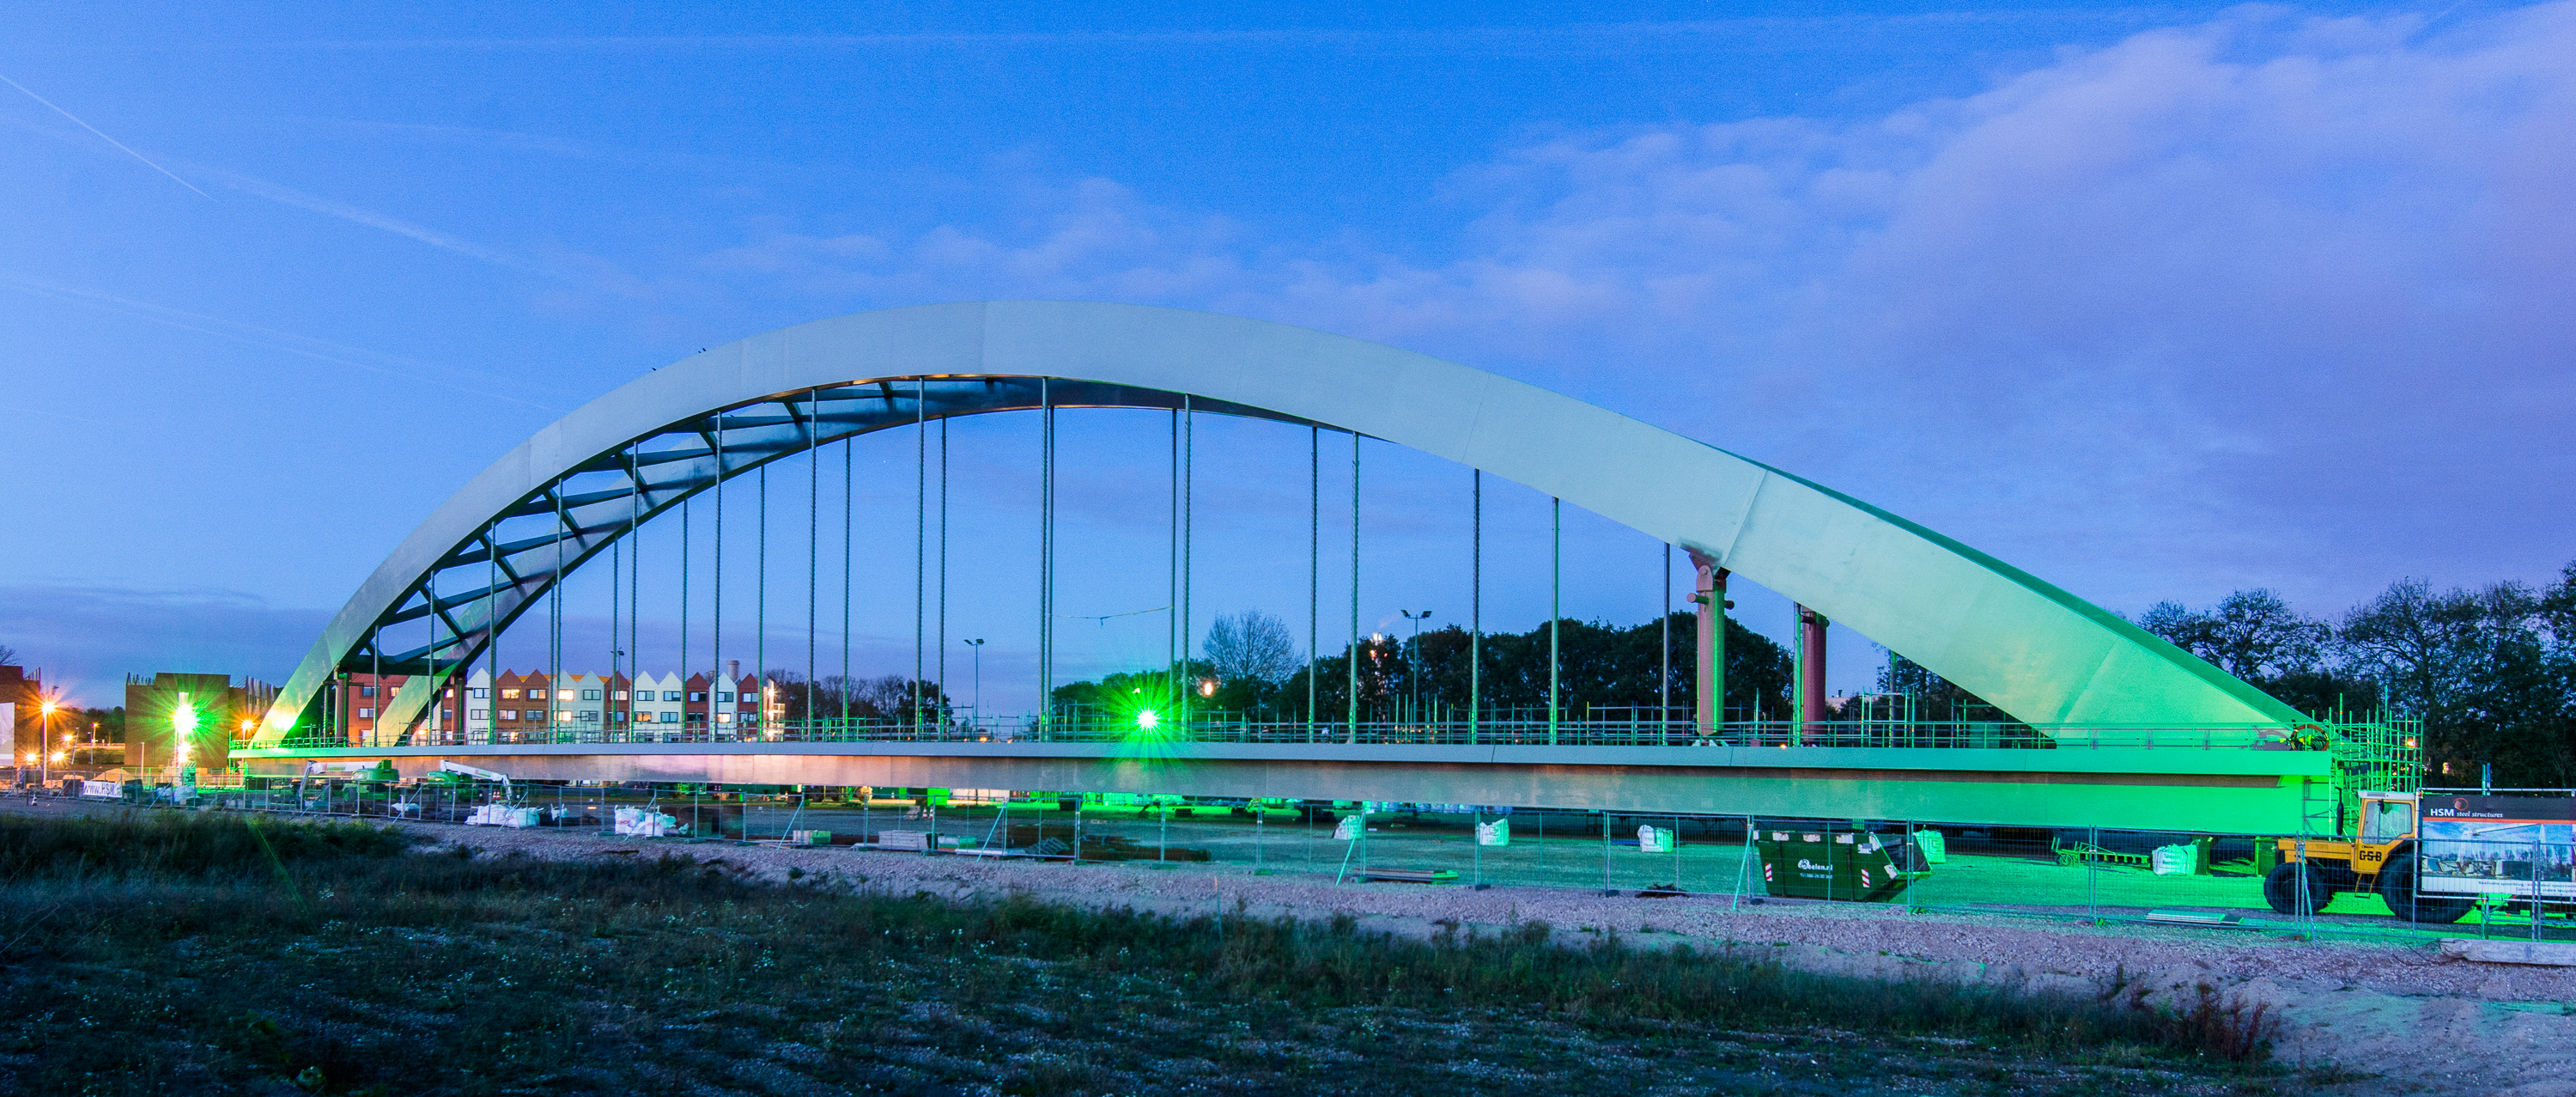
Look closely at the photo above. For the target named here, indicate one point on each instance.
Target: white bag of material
(2175, 860)
(1348, 830)
(1654, 840)
(1496, 833)
(482, 817)
(519, 817)
(640, 823)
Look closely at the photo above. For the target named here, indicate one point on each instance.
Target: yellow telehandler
(2383, 859)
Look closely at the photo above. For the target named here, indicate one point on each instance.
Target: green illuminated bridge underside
(2234, 791)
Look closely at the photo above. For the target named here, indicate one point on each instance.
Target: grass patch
(205, 953)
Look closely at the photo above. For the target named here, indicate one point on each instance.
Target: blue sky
(2155, 302)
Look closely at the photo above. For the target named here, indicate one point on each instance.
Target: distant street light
(978, 645)
(44, 722)
(1416, 675)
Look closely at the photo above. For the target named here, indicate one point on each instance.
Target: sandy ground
(2418, 1021)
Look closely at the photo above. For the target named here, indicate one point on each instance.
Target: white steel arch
(2039, 653)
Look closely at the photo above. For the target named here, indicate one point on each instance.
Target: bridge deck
(2239, 791)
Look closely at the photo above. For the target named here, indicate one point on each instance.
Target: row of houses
(536, 704)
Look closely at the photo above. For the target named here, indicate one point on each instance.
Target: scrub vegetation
(180, 952)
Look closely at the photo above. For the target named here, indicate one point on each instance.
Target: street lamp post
(1416, 675)
(44, 741)
(978, 645)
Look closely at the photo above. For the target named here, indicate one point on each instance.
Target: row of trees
(2491, 670)
(1251, 661)
(893, 697)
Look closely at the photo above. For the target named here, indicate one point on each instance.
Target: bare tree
(2252, 634)
(8, 656)
(1252, 646)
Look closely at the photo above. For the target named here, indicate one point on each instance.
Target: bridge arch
(2038, 652)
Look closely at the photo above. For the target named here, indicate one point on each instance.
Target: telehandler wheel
(2397, 889)
(2281, 890)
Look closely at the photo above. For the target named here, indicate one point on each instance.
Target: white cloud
(2274, 297)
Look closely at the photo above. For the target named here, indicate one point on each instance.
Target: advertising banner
(2498, 845)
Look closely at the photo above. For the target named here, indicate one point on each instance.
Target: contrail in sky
(103, 137)
(252, 334)
(369, 218)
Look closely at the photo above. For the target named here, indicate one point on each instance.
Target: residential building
(23, 694)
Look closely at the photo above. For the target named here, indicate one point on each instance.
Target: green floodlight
(1148, 719)
(183, 732)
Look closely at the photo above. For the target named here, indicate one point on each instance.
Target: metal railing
(1510, 729)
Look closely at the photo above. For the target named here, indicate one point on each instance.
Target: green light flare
(183, 727)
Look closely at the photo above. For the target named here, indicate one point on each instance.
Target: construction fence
(1894, 867)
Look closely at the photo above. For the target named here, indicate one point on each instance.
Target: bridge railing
(1518, 730)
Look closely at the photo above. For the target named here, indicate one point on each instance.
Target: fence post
(1743, 865)
(1606, 889)
(1677, 853)
(2535, 889)
(2093, 873)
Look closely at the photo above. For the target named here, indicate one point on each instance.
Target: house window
(697, 717)
(590, 695)
(670, 717)
(483, 694)
(509, 695)
(724, 717)
(509, 714)
(618, 695)
(366, 714)
(616, 717)
(563, 715)
(721, 696)
(670, 695)
(590, 716)
(478, 714)
(563, 695)
(366, 691)
(697, 695)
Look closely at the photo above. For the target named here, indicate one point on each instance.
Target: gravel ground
(2413, 1020)
(2418, 1022)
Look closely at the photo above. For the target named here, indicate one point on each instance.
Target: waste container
(1856, 866)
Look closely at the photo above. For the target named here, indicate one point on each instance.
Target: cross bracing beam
(2037, 652)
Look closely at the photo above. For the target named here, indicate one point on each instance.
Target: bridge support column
(1811, 671)
(1709, 593)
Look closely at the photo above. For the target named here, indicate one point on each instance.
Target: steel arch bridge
(498, 546)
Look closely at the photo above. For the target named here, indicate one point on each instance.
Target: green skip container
(1855, 866)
